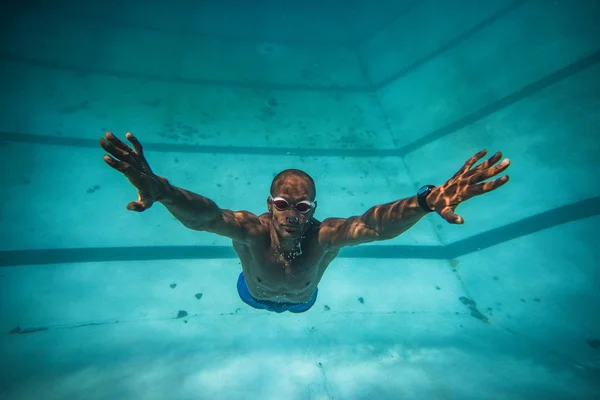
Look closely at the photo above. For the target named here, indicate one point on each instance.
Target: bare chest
(270, 272)
(287, 268)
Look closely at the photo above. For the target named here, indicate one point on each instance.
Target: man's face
(287, 217)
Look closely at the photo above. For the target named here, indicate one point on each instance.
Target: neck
(286, 245)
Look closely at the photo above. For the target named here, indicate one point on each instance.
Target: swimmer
(285, 251)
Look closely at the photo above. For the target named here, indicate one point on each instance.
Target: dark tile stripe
(190, 148)
(526, 91)
(360, 41)
(527, 226)
(246, 84)
(546, 220)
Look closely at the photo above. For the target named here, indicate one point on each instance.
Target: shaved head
(294, 177)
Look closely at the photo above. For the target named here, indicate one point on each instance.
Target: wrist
(163, 189)
(424, 198)
(429, 203)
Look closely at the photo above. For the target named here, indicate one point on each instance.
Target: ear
(269, 204)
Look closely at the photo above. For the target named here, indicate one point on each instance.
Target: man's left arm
(387, 221)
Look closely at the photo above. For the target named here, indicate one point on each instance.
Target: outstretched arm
(389, 220)
(202, 214)
(192, 210)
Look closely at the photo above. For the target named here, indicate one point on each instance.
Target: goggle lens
(282, 205)
(302, 207)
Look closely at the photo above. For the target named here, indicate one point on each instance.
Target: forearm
(191, 209)
(392, 219)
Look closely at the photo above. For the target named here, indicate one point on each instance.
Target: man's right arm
(202, 214)
(191, 209)
(194, 211)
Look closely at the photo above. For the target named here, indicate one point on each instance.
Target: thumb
(448, 214)
(143, 203)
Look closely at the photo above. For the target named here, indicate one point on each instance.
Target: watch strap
(422, 197)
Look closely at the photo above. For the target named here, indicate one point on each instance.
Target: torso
(274, 277)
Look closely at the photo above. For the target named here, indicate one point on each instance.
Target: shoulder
(264, 219)
(326, 229)
(241, 226)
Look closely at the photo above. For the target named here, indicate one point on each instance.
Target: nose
(292, 220)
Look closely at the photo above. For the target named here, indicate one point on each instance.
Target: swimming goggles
(282, 204)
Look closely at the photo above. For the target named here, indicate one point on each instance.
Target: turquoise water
(373, 99)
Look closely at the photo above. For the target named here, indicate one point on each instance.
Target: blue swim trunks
(271, 305)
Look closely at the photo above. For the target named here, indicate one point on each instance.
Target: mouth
(291, 228)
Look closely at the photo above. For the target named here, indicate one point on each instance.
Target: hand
(134, 166)
(467, 183)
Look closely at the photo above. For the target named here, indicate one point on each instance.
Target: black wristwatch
(422, 196)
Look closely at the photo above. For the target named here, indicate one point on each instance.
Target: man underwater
(285, 251)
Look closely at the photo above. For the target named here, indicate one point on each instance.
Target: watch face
(423, 189)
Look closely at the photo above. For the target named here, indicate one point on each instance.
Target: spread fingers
(114, 150)
(117, 142)
(135, 177)
(489, 172)
(120, 166)
(471, 161)
(485, 187)
(136, 144)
